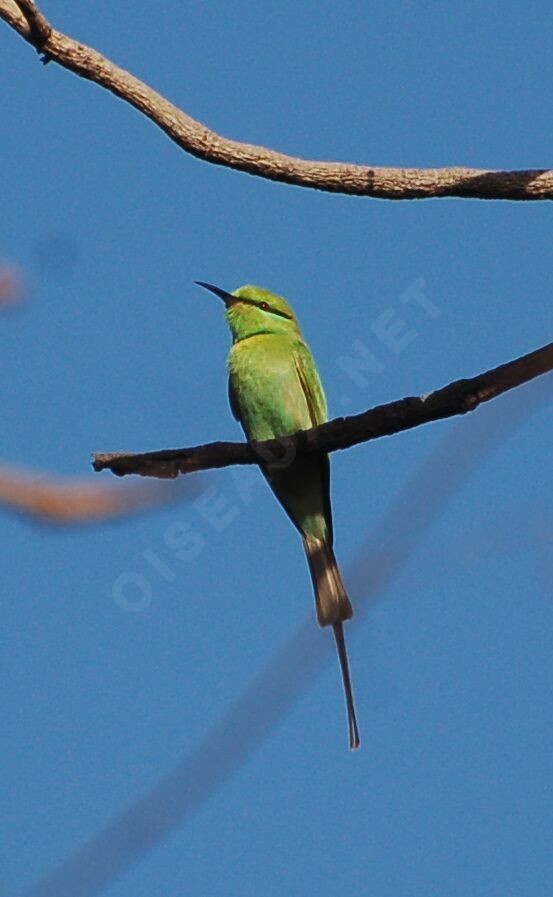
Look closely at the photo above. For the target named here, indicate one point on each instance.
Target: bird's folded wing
(308, 376)
(233, 401)
(310, 384)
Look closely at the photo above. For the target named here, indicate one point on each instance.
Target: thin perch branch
(198, 140)
(343, 432)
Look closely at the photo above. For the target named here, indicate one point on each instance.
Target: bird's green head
(253, 310)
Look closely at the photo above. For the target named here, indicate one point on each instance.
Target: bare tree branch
(198, 140)
(343, 432)
(39, 29)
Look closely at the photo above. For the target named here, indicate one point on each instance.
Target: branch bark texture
(343, 432)
(198, 140)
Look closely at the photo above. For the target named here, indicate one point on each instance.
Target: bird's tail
(333, 604)
(333, 607)
(353, 728)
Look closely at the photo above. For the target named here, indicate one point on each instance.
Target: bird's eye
(264, 305)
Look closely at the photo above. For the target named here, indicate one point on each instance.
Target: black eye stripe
(275, 311)
(264, 306)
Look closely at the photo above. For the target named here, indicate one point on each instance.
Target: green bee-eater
(275, 390)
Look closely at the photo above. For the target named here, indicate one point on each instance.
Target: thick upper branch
(343, 432)
(195, 138)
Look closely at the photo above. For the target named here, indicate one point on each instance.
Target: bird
(274, 391)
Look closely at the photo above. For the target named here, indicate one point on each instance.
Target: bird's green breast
(267, 388)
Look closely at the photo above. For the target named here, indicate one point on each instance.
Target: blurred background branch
(71, 501)
(67, 500)
(12, 289)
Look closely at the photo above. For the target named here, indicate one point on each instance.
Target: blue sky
(181, 647)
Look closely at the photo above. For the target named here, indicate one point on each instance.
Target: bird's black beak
(222, 294)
